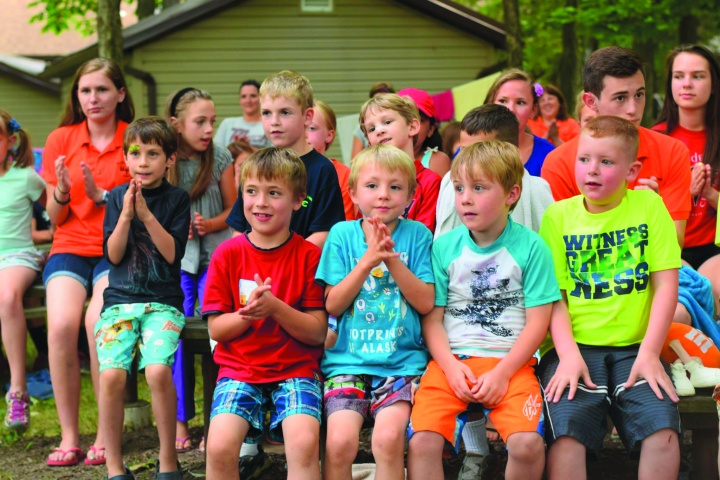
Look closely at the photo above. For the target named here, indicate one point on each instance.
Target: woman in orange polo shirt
(82, 161)
(552, 121)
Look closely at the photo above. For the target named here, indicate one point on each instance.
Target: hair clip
(538, 89)
(14, 126)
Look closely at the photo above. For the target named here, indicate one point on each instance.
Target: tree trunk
(145, 8)
(169, 3)
(109, 28)
(513, 40)
(646, 49)
(569, 74)
(689, 25)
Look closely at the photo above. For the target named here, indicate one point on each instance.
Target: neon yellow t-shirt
(603, 262)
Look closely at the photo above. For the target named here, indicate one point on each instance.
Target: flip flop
(96, 459)
(66, 462)
(182, 441)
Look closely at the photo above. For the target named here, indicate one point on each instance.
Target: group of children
(420, 330)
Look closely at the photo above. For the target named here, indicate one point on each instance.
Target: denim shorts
(86, 270)
(252, 401)
(153, 327)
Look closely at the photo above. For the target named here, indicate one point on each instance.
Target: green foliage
(79, 15)
(627, 23)
(61, 15)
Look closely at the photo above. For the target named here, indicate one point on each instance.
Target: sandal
(77, 455)
(185, 444)
(94, 457)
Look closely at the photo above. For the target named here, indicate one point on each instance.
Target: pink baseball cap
(422, 99)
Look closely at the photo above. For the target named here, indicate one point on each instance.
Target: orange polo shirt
(82, 231)
(661, 156)
(567, 129)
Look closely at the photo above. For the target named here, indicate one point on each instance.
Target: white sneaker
(683, 386)
(701, 376)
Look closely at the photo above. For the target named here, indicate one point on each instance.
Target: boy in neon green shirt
(616, 258)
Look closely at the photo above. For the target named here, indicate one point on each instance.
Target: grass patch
(44, 420)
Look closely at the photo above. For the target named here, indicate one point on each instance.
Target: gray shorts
(636, 412)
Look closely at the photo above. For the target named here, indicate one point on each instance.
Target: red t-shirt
(661, 156)
(82, 231)
(700, 229)
(424, 203)
(265, 352)
(343, 173)
(567, 129)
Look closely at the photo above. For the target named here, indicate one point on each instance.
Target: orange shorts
(437, 409)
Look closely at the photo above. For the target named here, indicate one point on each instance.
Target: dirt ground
(26, 460)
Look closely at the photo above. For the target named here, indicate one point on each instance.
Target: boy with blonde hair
(266, 313)
(378, 279)
(286, 107)
(389, 118)
(616, 258)
(493, 300)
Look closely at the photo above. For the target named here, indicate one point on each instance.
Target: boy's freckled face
(268, 205)
(284, 121)
(602, 170)
(381, 193)
(147, 162)
(482, 203)
(387, 126)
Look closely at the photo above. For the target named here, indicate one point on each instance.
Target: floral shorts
(154, 328)
(28, 257)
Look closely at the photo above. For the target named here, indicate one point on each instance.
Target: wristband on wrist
(61, 192)
(59, 202)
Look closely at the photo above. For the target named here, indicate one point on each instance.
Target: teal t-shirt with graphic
(380, 333)
(485, 290)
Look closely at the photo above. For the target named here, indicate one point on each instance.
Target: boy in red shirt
(266, 313)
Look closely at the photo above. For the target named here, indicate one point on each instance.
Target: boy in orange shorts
(493, 299)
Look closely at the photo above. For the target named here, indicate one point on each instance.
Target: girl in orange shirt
(552, 121)
(82, 161)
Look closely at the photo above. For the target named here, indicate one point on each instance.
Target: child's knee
(341, 444)
(305, 441)
(526, 447)
(426, 444)
(388, 439)
(158, 375)
(665, 440)
(113, 379)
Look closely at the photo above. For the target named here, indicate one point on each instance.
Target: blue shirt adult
(380, 333)
(322, 207)
(541, 148)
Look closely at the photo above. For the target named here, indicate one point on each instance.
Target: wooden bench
(196, 340)
(699, 414)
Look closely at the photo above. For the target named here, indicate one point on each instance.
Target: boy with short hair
(145, 232)
(616, 258)
(493, 300)
(389, 118)
(286, 107)
(614, 84)
(265, 310)
(487, 122)
(378, 279)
